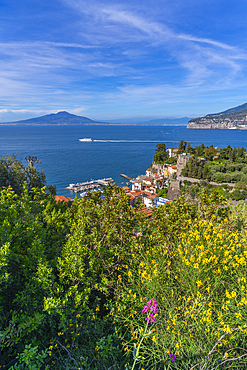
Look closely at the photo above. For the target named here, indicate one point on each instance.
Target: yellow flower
(234, 294)
(154, 339)
(238, 315)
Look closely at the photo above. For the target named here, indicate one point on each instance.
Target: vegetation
(98, 285)
(14, 174)
(227, 165)
(161, 154)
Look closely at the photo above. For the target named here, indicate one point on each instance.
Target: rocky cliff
(233, 120)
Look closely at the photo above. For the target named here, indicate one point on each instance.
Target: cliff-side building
(183, 159)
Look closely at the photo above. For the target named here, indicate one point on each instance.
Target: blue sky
(119, 59)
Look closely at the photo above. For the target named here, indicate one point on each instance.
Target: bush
(74, 281)
(200, 286)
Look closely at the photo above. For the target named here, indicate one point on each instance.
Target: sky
(118, 59)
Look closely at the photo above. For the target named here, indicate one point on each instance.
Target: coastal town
(158, 186)
(184, 168)
(161, 182)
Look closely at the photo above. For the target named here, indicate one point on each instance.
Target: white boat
(87, 139)
(83, 194)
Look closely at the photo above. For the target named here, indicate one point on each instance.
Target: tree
(161, 153)
(189, 148)
(32, 160)
(210, 152)
(200, 150)
(161, 147)
(14, 174)
(182, 146)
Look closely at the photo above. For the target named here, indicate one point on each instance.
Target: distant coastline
(90, 124)
(66, 119)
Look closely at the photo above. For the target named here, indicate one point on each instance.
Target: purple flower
(150, 318)
(151, 307)
(172, 357)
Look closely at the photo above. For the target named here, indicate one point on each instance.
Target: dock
(89, 185)
(125, 176)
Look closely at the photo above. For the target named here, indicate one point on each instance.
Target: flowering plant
(151, 307)
(172, 357)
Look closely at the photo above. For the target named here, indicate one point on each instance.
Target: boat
(86, 139)
(83, 194)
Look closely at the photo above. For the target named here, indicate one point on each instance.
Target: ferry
(86, 139)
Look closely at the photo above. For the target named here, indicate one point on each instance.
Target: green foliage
(171, 160)
(162, 192)
(161, 154)
(185, 147)
(240, 185)
(238, 195)
(14, 174)
(32, 229)
(73, 280)
(31, 359)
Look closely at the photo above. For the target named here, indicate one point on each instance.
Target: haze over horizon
(118, 59)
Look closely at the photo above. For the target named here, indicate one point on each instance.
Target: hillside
(233, 118)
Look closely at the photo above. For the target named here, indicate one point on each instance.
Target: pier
(125, 176)
(89, 185)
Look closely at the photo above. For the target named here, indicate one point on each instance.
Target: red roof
(126, 188)
(62, 198)
(135, 193)
(174, 167)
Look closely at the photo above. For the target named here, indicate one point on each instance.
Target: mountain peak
(64, 113)
(59, 118)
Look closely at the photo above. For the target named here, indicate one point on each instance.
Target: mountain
(65, 118)
(233, 118)
(60, 118)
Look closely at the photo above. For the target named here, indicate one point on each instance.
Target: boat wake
(134, 141)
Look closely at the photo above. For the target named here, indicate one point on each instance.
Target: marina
(89, 185)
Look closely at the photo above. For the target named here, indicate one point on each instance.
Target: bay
(115, 149)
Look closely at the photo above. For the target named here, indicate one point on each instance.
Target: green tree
(161, 153)
(182, 147)
(200, 150)
(13, 173)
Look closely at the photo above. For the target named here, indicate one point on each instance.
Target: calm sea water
(116, 149)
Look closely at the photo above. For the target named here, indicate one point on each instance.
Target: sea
(115, 150)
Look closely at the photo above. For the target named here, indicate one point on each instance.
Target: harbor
(89, 185)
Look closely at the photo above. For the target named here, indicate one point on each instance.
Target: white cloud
(116, 55)
(201, 57)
